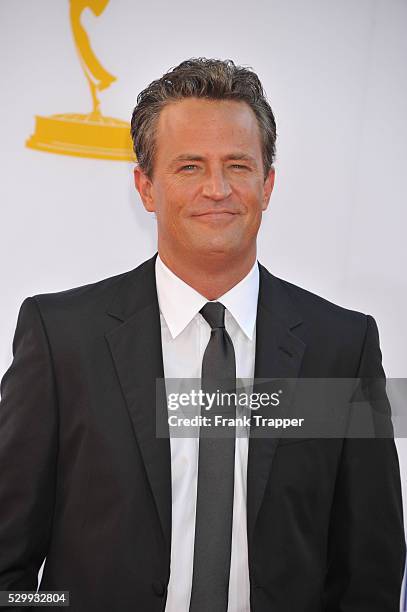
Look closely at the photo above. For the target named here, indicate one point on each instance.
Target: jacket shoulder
(96, 294)
(315, 306)
(335, 336)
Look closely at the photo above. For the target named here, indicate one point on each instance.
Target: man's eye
(189, 167)
(239, 166)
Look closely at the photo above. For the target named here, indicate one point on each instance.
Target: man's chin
(217, 250)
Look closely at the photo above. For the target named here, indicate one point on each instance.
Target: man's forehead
(182, 113)
(201, 122)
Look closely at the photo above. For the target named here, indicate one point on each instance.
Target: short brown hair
(212, 79)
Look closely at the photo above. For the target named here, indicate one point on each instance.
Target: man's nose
(216, 185)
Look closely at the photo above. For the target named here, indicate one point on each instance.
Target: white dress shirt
(185, 335)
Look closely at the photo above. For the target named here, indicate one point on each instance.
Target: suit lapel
(279, 354)
(136, 350)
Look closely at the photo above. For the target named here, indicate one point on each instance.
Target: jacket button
(159, 588)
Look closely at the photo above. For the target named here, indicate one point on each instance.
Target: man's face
(208, 189)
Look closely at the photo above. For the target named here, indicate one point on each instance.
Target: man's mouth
(216, 213)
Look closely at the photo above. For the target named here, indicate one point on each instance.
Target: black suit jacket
(86, 483)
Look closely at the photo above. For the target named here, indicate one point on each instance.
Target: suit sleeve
(366, 551)
(28, 451)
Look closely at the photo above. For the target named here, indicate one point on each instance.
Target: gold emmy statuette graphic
(93, 134)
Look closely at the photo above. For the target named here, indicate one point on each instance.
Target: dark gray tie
(214, 509)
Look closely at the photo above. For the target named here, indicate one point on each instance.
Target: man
(131, 521)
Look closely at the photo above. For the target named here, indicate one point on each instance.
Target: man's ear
(144, 187)
(268, 187)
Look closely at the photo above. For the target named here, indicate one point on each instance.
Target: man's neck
(211, 277)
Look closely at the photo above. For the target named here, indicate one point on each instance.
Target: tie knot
(214, 314)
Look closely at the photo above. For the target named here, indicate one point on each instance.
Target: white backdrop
(335, 76)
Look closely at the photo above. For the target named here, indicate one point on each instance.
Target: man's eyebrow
(188, 157)
(241, 157)
(193, 157)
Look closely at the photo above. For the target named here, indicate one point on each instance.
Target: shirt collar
(179, 302)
